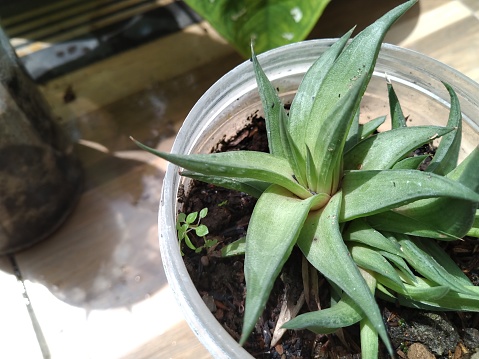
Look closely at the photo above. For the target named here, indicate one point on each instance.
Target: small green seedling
(186, 223)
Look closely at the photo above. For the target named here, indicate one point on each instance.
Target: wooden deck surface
(96, 288)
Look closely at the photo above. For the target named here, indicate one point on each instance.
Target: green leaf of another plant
(188, 242)
(181, 218)
(191, 218)
(270, 23)
(204, 212)
(201, 230)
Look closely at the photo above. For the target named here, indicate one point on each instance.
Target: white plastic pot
(226, 106)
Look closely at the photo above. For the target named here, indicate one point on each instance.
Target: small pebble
(279, 349)
(210, 302)
(205, 261)
(419, 351)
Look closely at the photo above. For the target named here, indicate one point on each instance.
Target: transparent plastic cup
(226, 106)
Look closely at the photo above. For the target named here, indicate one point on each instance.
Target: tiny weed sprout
(186, 223)
(352, 199)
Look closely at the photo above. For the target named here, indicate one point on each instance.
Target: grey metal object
(40, 180)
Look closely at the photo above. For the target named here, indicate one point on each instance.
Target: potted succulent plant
(353, 200)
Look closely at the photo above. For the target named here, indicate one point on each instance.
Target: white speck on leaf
(297, 14)
(288, 35)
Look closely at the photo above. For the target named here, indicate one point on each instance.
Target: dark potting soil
(221, 284)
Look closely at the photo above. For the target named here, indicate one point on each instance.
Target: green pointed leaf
(325, 321)
(397, 117)
(432, 248)
(466, 172)
(293, 153)
(368, 334)
(415, 292)
(236, 248)
(474, 231)
(311, 173)
(274, 227)
(410, 163)
(371, 260)
(404, 271)
(447, 153)
(271, 23)
(458, 301)
(440, 218)
(449, 301)
(360, 231)
(369, 340)
(304, 99)
(382, 151)
(241, 164)
(329, 144)
(274, 113)
(424, 263)
(322, 244)
(353, 134)
(370, 192)
(368, 128)
(349, 74)
(252, 187)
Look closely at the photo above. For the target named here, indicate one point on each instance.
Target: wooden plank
(47, 34)
(83, 23)
(178, 342)
(431, 21)
(38, 11)
(127, 73)
(38, 26)
(472, 4)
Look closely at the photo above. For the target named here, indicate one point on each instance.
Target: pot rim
(212, 335)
